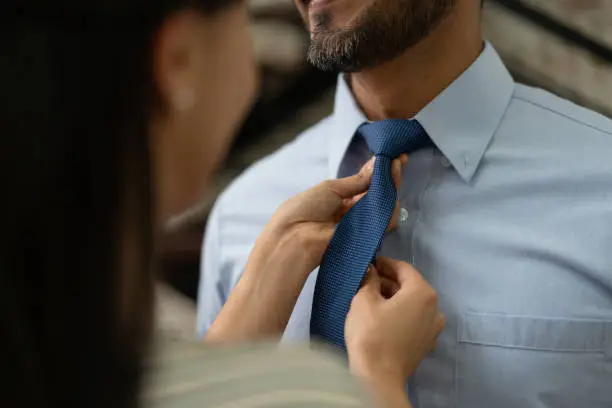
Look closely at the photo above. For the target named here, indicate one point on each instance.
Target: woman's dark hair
(76, 247)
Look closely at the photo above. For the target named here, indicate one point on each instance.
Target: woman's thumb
(348, 187)
(371, 282)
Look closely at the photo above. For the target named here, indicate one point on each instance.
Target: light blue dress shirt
(510, 219)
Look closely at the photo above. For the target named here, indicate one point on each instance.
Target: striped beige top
(189, 375)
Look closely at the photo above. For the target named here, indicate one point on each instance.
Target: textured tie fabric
(359, 234)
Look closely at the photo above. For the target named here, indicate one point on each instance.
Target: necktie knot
(392, 137)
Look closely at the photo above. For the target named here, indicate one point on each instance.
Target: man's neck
(402, 87)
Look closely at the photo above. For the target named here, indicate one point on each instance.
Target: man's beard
(384, 31)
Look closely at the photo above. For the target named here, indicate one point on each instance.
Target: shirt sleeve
(211, 291)
(256, 375)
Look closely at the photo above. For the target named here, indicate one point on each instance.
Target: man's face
(351, 35)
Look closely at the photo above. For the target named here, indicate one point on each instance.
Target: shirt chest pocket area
(516, 361)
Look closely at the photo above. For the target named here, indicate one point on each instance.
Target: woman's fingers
(348, 187)
(439, 323)
(354, 188)
(394, 274)
(378, 284)
(394, 217)
(397, 271)
(388, 287)
(397, 167)
(358, 183)
(372, 283)
(351, 201)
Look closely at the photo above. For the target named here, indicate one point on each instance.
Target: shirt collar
(461, 120)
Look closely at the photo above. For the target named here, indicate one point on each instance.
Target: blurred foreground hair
(76, 247)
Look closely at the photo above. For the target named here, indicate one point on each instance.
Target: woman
(116, 113)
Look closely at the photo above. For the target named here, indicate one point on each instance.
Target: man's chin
(333, 64)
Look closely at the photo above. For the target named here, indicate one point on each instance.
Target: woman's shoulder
(188, 374)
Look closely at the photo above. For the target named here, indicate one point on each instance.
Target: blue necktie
(359, 234)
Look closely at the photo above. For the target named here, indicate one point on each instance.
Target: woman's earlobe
(183, 99)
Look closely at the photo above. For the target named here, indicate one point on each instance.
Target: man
(509, 216)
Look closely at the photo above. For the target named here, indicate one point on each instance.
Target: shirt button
(445, 162)
(403, 215)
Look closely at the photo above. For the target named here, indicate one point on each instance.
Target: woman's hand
(289, 248)
(302, 226)
(392, 324)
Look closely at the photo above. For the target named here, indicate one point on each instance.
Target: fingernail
(398, 168)
(404, 159)
(370, 163)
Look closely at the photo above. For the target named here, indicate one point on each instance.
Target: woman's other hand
(392, 324)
